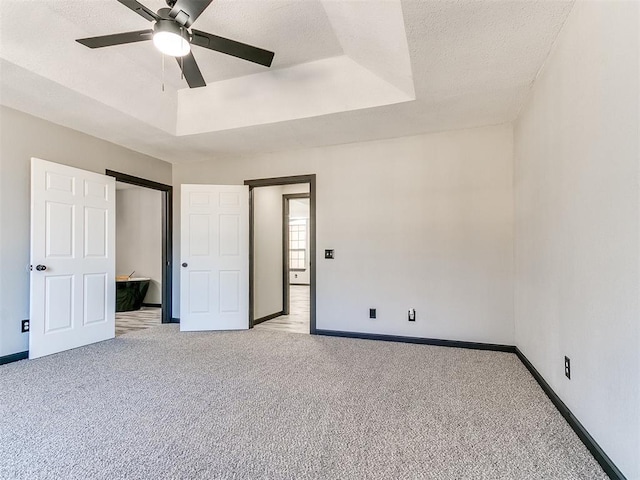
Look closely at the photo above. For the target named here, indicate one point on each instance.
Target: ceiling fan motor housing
(179, 16)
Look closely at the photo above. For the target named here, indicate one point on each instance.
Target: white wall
(577, 212)
(21, 137)
(139, 237)
(429, 225)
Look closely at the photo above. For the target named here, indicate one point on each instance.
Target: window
(298, 244)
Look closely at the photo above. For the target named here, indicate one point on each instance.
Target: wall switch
(412, 315)
(329, 254)
(567, 367)
(372, 313)
(24, 326)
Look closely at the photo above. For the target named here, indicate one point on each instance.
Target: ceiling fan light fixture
(171, 39)
(171, 35)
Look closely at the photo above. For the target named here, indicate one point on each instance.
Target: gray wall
(577, 228)
(23, 136)
(139, 237)
(422, 222)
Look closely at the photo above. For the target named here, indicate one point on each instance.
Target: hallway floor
(298, 319)
(146, 317)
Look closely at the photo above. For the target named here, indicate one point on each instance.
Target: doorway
(257, 283)
(148, 289)
(296, 258)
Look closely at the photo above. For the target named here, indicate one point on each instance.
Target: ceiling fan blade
(185, 12)
(231, 47)
(117, 39)
(191, 71)
(140, 9)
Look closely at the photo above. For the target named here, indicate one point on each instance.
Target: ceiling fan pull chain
(182, 59)
(163, 72)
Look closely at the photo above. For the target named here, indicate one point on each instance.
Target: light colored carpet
(159, 404)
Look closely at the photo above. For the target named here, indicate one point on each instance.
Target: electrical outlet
(372, 313)
(25, 326)
(567, 367)
(412, 314)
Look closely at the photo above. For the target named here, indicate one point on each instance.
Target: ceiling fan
(172, 36)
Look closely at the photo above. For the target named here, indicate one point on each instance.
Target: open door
(72, 299)
(214, 277)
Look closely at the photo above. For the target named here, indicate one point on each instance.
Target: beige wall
(139, 237)
(267, 244)
(577, 225)
(422, 222)
(23, 136)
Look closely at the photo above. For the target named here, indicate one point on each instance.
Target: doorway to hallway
(295, 264)
(282, 254)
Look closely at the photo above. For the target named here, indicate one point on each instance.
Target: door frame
(286, 281)
(279, 181)
(167, 226)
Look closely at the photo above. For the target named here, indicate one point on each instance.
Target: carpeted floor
(159, 404)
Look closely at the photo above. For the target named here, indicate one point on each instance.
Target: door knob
(41, 268)
(185, 264)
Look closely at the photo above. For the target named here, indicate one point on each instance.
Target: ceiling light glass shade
(171, 39)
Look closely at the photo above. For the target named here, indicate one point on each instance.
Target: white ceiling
(344, 71)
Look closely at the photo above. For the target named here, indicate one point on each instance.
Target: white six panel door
(72, 257)
(214, 279)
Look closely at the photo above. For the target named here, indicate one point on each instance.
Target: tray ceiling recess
(344, 71)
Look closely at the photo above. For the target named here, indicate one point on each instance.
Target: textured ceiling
(309, 38)
(453, 64)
